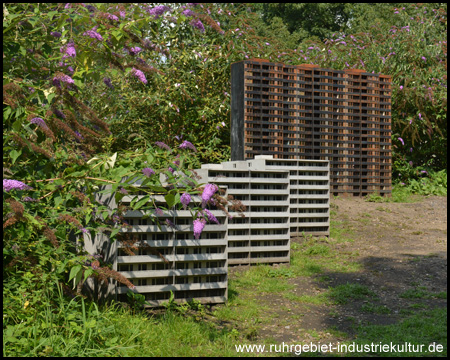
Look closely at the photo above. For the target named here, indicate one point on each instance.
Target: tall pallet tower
(306, 112)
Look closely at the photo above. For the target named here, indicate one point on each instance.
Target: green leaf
(114, 233)
(141, 202)
(77, 278)
(17, 125)
(6, 113)
(58, 201)
(62, 267)
(170, 200)
(15, 154)
(74, 271)
(88, 273)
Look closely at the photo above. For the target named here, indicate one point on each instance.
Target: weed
(426, 327)
(342, 294)
(281, 272)
(380, 208)
(375, 309)
(417, 293)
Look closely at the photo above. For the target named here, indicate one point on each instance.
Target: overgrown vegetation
(114, 94)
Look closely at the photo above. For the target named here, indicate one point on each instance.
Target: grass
(434, 184)
(79, 328)
(342, 294)
(424, 328)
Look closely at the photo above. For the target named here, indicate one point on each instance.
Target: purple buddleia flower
(123, 191)
(112, 17)
(59, 113)
(79, 135)
(135, 50)
(107, 82)
(401, 140)
(185, 199)
(91, 8)
(56, 34)
(9, 184)
(93, 34)
(187, 145)
(29, 199)
(148, 172)
(211, 216)
(64, 78)
(68, 50)
(157, 11)
(159, 212)
(162, 145)
(84, 230)
(170, 224)
(208, 192)
(39, 122)
(122, 14)
(199, 224)
(188, 12)
(139, 74)
(198, 24)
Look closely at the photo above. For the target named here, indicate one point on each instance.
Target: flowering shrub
(61, 127)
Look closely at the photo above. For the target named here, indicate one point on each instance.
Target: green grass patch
(320, 299)
(375, 309)
(423, 328)
(342, 294)
(340, 231)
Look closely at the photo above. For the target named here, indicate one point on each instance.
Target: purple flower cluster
(112, 17)
(9, 184)
(170, 223)
(199, 224)
(40, 122)
(93, 34)
(135, 50)
(188, 12)
(208, 192)
(56, 34)
(139, 74)
(157, 11)
(148, 171)
(59, 113)
(91, 8)
(185, 199)
(211, 216)
(162, 145)
(68, 50)
(187, 145)
(62, 77)
(198, 24)
(107, 82)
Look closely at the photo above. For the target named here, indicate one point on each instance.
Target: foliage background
(88, 90)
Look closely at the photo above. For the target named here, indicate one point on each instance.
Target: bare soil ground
(402, 250)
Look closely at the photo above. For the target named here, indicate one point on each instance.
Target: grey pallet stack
(309, 193)
(262, 236)
(172, 260)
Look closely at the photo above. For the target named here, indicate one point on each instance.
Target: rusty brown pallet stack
(307, 112)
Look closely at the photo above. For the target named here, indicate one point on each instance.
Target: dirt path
(401, 248)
